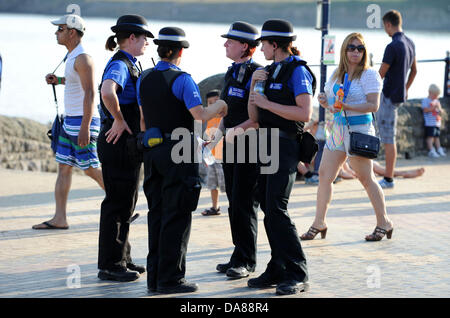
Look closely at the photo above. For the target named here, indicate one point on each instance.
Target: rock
(210, 83)
(24, 145)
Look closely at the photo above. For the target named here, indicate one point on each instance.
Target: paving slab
(60, 264)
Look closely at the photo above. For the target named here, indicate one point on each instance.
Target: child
(432, 111)
(215, 177)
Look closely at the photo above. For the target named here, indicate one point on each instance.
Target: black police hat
(277, 29)
(213, 93)
(133, 23)
(172, 36)
(244, 32)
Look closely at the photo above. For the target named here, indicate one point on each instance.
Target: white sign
(329, 49)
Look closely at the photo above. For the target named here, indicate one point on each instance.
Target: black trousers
(288, 261)
(121, 179)
(241, 190)
(172, 192)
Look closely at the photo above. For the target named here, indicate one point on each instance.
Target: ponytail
(121, 37)
(293, 50)
(110, 43)
(286, 47)
(168, 52)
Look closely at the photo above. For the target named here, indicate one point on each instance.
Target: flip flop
(49, 227)
(211, 211)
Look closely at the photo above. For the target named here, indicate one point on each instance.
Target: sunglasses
(351, 48)
(60, 29)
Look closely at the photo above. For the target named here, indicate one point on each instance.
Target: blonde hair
(343, 62)
(434, 89)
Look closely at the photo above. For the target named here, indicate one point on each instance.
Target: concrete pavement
(414, 263)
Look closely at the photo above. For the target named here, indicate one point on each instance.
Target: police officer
(240, 177)
(285, 105)
(120, 123)
(170, 99)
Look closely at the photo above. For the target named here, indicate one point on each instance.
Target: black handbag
(363, 145)
(308, 147)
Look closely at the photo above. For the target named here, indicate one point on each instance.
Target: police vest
(160, 106)
(130, 112)
(276, 90)
(235, 94)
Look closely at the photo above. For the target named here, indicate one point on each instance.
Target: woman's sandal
(211, 211)
(379, 233)
(312, 232)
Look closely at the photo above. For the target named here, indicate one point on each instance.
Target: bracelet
(59, 80)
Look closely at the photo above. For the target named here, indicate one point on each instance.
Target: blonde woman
(362, 100)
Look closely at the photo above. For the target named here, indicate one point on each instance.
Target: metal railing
(446, 85)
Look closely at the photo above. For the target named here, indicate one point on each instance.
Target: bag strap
(345, 81)
(53, 85)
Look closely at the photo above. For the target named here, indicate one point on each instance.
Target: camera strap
(53, 85)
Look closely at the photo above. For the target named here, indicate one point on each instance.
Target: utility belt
(153, 137)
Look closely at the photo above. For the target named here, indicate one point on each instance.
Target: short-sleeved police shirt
(118, 72)
(399, 54)
(236, 68)
(301, 80)
(184, 88)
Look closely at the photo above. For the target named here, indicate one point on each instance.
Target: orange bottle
(340, 97)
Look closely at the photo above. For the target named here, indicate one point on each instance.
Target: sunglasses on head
(351, 48)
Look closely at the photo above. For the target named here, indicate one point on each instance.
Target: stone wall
(24, 145)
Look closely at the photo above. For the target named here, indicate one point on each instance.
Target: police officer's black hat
(133, 23)
(213, 93)
(244, 32)
(277, 30)
(172, 36)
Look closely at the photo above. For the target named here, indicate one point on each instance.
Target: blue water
(29, 51)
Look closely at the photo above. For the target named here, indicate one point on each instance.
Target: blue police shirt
(301, 80)
(399, 54)
(236, 67)
(118, 72)
(184, 88)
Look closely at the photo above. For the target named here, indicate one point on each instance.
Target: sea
(29, 51)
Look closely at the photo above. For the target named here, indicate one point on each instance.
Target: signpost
(322, 23)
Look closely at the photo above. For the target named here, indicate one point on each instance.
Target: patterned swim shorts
(69, 153)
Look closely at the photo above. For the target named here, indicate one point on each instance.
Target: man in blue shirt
(398, 59)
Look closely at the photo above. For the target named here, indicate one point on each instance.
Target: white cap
(73, 21)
